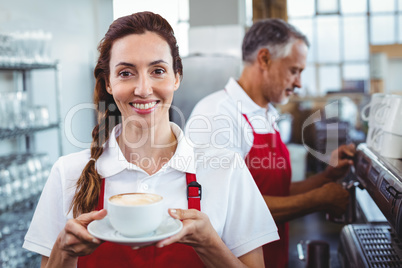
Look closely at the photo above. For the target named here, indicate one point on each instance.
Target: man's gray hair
(274, 34)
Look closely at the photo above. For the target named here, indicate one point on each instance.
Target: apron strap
(193, 192)
(245, 116)
(101, 197)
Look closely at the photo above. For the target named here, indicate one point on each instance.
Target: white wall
(77, 27)
(217, 26)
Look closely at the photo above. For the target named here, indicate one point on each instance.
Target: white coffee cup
(376, 109)
(393, 114)
(135, 214)
(385, 111)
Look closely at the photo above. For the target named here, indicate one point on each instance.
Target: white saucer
(103, 230)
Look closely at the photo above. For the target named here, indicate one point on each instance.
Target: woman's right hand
(75, 238)
(74, 241)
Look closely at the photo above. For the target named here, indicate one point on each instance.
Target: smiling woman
(142, 85)
(136, 149)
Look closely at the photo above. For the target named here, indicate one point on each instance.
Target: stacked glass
(16, 113)
(25, 48)
(22, 177)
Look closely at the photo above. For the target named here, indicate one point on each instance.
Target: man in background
(241, 117)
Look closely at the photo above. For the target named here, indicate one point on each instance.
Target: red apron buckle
(190, 191)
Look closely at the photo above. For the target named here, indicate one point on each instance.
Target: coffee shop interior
(351, 92)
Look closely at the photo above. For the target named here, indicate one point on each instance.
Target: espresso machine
(375, 242)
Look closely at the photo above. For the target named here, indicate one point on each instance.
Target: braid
(89, 184)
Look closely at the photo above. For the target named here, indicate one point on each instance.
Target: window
(340, 33)
(176, 12)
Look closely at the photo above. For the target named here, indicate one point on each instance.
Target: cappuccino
(135, 199)
(136, 214)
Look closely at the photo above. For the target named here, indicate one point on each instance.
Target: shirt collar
(183, 159)
(112, 160)
(248, 106)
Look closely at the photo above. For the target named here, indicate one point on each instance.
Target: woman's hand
(197, 229)
(198, 232)
(75, 240)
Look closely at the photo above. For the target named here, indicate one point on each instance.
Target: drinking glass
(9, 111)
(3, 110)
(16, 184)
(20, 105)
(41, 116)
(33, 174)
(24, 178)
(4, 174)
(7, 190)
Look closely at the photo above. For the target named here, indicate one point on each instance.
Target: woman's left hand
(197, 229)
(198, 232)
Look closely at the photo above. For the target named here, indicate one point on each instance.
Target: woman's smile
(144, 107)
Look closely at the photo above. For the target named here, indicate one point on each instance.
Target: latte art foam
(135, 199)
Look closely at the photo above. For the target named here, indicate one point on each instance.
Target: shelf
(6, 134)
(24, 67)
(16, 214)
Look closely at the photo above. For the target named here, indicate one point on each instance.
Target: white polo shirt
(230, 197)
(217, 120)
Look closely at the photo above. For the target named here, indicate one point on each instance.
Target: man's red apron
(269, 164)
(176, 255)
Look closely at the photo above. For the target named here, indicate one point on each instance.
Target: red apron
(110, 255)
(269, 164)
